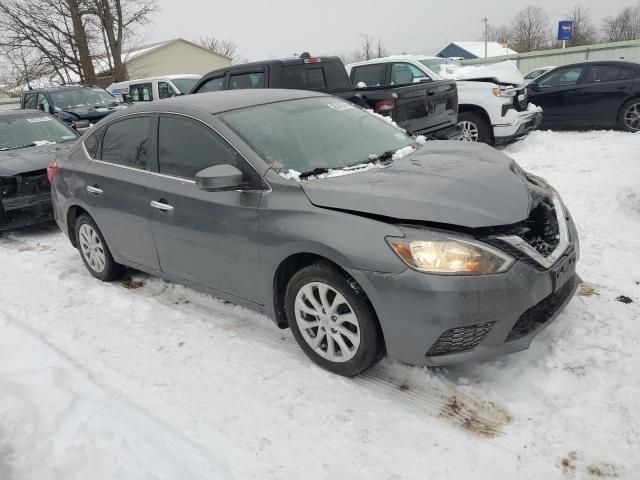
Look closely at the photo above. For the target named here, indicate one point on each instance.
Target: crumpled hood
(93, 114)
(29, 159)
(455, 183)
(501, 73)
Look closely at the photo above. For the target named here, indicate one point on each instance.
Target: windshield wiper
(18, 146)
(315, 171)
(383, 157)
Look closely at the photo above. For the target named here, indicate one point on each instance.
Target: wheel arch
(73, 213)
(467, 107)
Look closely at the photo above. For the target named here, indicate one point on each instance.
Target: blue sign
(565, 30)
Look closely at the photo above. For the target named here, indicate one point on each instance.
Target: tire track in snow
(435, 395)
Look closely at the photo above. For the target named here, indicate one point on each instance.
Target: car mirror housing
(219, 178)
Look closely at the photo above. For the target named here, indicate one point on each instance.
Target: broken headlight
(444, 254)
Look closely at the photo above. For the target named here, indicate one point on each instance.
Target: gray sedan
(328, 220)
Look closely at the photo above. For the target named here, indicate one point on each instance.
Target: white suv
(492, 100)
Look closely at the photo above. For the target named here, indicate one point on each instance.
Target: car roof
(223, 101)
(279, 62)
(60, 88)
(611, 60)
(173, 76)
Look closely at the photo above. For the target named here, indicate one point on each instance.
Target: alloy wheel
(469, 131)
(632, 117)
(91, 247)
(327, 322)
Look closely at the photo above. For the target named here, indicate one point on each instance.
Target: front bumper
(437, 320)
(24, 211)
(516, 125)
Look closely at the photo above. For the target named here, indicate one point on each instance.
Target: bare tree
(530, 30)
(226, 48)
(21, 67)
(366, 45)
(584, 31)
(116, 20)
(501, 34)
(381, 51)
(624, 26)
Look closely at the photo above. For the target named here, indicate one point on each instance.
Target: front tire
(630, 116)
(474, 128)
(94, 250)
(332, 320)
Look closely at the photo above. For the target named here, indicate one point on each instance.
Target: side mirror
(534, 86)
(126, 98)
(219, 178)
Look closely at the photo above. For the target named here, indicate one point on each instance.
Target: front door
(209, 238)
(116, 181)
(558, 95)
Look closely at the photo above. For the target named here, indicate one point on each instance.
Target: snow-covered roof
(494, 49)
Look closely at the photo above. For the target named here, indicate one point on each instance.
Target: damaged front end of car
(25, 199)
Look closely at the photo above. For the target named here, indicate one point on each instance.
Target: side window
(30, 101)
(185, 147)
(126, 143)
(370, 75)
(246, 80)
(141, 92)
(404, 73)
(165, 90)
(213, 85)
(608, 73)
(43, 103)
(92, 142)
(562, 76)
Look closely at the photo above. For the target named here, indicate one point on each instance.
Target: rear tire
(629, 118)
(94, 250)
(332, 320)
(474, 128)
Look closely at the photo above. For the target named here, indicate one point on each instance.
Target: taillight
(312, 60)
(385, 107)
(52, 169)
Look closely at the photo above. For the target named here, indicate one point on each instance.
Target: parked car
(154, 88)
(327, 219)
(492, 103)
(29, 141)
(596, 94)
(425, 108)
(536, 72)
(79, 106)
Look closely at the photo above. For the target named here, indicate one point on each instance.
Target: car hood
(29, 159)
(454, 183)
(92, 113)
(501, 73)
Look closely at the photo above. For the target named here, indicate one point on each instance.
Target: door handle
(94, 190)
(165, 207)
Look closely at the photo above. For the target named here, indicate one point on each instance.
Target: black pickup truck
(427, 108)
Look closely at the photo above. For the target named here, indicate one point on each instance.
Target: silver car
(328, 220)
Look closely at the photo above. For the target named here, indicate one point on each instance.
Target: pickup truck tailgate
(427, 107)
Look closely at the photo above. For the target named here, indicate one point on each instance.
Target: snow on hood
(503, 72)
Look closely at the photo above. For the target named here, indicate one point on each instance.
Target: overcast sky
(275, 28)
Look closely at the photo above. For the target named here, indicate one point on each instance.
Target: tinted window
(246, 80)
(126, 142)
(185, 147)
(608, 73)
(142, 92)
(165, 90)
(562, 76)
(371, 75)
(403, 73)
(213, 85)
(304, 78)
(92, 141)
(30, 101)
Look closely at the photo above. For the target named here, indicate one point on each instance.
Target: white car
(536, 72)
(492, 100)
(153, 88)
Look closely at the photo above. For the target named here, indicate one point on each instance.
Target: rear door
(116, 181)
(558, 94)
(603, 90)
(209, 238)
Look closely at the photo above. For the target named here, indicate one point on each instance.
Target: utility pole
(486, 34)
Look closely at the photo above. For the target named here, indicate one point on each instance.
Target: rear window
(302, 77)
(370, 75)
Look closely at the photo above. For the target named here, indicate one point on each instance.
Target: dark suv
(79, 106)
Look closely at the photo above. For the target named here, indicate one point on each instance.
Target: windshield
(184, 85)
(27, 131)
(440, 66)
(315, 133)
(82, 97)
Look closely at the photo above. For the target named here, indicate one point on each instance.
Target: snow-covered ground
(145, 379)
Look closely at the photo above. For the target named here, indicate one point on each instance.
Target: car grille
(460, 339)
(541, 313)
(33, 183)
